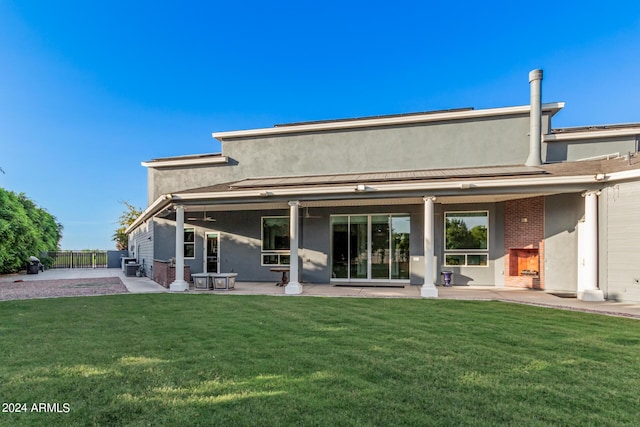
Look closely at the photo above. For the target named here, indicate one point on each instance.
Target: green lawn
(168, 359)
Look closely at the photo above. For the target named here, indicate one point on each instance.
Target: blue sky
(89, 89)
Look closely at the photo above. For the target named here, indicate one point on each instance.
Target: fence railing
(73, 259)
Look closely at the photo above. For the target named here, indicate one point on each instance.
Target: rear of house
(496, 196)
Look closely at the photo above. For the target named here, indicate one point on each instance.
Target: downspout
(535, 124)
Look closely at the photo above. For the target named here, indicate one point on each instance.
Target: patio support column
(293, 287)
(179, 285)
(588, 242)
(429, 289)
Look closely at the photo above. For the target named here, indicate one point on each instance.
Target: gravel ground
(60, 288)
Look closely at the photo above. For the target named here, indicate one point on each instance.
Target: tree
(460, 237)
(126, 219)
(479, 236)
(25, 230)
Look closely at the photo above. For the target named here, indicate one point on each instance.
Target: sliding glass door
(358, 247)
(340, 247)
(380, 246)
(400, 227)
(370, 247)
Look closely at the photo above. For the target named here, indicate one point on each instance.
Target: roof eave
(452, 187)
(372, 188)
(178, 162)
(550, 108)
(157, 206)
(592, 134)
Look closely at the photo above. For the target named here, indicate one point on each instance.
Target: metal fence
(73, 259)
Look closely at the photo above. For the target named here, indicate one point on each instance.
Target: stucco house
(497, 196)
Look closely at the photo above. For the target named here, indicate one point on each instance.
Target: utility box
(131, 269)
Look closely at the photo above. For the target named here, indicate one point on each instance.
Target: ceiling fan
(308, 216)
(204, 218)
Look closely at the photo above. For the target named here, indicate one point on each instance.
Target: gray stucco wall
(240, 243)
(562, 151)
(493, 141)
(428, 146)
(165, 244)
(497, 253)
(170, 180)
(562, 213)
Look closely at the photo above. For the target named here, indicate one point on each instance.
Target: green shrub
(25, 230)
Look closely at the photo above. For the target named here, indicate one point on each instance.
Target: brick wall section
(524, 235)
(165, 275)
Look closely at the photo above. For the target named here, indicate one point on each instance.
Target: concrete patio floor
(480, 293)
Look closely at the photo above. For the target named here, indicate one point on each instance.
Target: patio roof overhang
(449, 186)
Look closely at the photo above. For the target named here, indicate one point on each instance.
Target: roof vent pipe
(535, 125)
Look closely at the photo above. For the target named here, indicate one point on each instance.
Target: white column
(588, 242)
(429, 289)
(179, 284)
(293, 287)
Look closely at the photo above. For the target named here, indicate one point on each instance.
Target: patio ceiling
(490, 198)
(459, 173)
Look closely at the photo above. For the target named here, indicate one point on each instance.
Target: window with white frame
(466, 238)
(275, 240)
(189, 243)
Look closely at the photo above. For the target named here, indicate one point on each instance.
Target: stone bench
(214, 281)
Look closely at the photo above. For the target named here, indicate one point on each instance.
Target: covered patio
(423, 195)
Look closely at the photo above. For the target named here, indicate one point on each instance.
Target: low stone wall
(164, 273)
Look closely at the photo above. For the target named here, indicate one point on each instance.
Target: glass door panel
(359, 244)
(340, 250)
(380, 246)
(400, 226)
(370, 247)
(212, 253)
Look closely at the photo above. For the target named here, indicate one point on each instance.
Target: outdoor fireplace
(524, 262)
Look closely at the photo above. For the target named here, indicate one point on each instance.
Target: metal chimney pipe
(535, 121)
